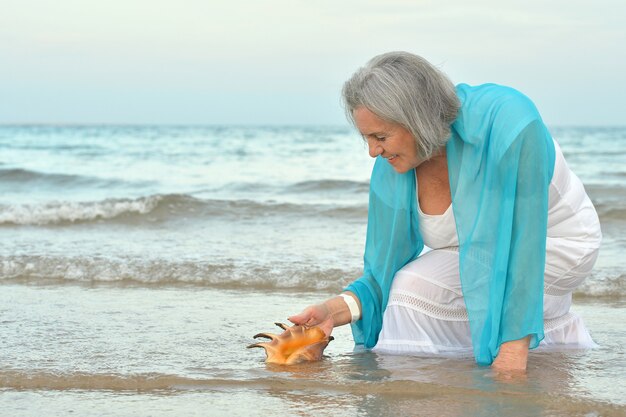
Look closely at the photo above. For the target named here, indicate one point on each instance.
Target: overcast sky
(284, 61)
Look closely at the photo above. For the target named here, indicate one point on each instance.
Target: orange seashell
(295, 345)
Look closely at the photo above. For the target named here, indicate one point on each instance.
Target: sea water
(137, 262)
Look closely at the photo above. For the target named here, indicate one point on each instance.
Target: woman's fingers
(310, 316)
(302, 318)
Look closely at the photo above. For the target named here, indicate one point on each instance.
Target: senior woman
(473, 174)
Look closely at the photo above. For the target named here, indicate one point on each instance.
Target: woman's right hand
(315, 315)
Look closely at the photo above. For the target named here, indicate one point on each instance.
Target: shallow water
(136, 263)
(124, 350)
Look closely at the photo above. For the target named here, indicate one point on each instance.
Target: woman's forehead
(368, 122)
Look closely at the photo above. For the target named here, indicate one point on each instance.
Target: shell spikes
(295, 345)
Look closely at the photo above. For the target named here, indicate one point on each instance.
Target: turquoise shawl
(500, 162)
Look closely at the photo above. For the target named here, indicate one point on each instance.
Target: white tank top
(571, 214)
(438, 230)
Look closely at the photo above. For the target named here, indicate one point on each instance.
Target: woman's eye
(380, 138)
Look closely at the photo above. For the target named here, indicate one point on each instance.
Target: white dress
(426, 311)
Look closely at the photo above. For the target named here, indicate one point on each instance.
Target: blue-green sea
(137, 262)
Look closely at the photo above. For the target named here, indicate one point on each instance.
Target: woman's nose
(374, 148)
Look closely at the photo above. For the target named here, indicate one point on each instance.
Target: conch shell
(295, 345)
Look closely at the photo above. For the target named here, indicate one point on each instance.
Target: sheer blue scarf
(500, 162)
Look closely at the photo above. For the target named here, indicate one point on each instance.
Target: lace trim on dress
(555, 290)
(428, 307)
(457, 313)
(552, 324)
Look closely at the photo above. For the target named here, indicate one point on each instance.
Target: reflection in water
(372, 384)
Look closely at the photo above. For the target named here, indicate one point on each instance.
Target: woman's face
(389, 140)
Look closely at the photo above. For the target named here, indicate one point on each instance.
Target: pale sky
(273, 62)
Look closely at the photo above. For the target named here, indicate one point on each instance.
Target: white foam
(59, 212)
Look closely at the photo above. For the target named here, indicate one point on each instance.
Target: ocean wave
(615, 213)
(603, 188)
(605, 284)
(609, 200)
(330, 185)
(240, 275)
(225, 274)
(25, 178)
(610, 210)
(323, 186)
(55, 213)
(159, 208)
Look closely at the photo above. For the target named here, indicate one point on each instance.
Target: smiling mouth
(391, 158)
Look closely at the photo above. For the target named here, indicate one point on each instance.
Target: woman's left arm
(522, 319)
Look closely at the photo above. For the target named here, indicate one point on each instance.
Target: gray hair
(404, 88)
